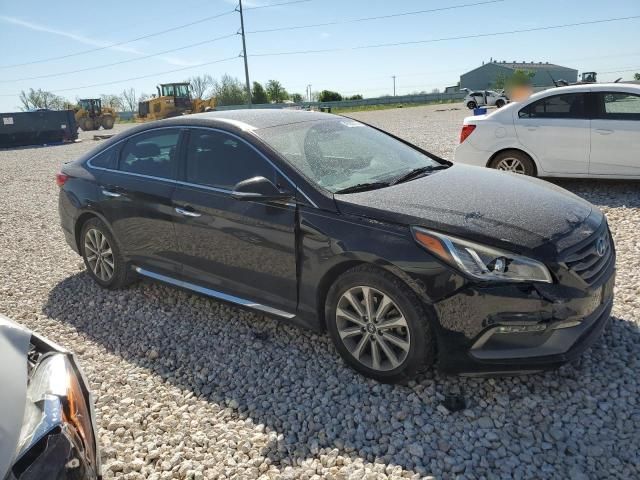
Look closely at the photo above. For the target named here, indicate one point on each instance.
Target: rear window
(152, 154)
(106, 159)
(568, 105)
(621, 106)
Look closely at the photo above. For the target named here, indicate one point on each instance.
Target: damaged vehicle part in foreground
(404, 258)
(47, 427)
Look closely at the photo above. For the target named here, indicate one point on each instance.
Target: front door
(237, 247)
(135, 198)
(556, 130)
(615, 135)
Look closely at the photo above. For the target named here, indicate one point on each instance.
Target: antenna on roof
(552, 79)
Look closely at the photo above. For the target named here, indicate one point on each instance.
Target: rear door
(556, 130)
(135, 197)
(615, 135)
(242, 248)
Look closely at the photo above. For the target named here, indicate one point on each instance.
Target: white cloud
(89, 41)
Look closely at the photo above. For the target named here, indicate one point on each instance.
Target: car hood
(14, 346)
(476, 203)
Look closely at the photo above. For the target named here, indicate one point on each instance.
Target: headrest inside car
(145, 150)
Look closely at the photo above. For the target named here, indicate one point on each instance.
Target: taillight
(61, 178)
(466, 131)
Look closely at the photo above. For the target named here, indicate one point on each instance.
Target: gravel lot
(186, 387)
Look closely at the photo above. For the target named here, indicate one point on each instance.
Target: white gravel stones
(186, 387)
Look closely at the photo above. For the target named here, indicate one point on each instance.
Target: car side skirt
(214, 293)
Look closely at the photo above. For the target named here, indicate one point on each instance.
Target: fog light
(520, 328)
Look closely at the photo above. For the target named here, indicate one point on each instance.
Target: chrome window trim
(214, 293)
(196, 185)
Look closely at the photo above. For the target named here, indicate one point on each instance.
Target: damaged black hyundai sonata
(405, 259)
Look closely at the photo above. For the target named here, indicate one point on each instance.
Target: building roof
(524, 66)
(532, 65)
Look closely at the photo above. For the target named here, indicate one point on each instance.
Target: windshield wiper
(363, 187)
(416, 172)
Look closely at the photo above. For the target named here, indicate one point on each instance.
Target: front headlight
(55, 398)
(481, 261)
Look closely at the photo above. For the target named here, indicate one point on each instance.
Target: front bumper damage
(520, 328)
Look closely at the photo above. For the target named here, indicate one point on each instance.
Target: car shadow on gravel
(293, 382)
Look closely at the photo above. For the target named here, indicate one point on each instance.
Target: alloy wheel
(99, 254)
(510, 164)
(372, 328)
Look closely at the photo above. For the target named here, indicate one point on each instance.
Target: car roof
(588, 87)
(252, 119)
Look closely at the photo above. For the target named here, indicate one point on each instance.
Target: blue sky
(35, 30)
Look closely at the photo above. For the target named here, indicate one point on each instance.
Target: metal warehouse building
(485, 76)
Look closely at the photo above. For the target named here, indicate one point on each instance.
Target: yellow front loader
(91, 115)
(173, 99)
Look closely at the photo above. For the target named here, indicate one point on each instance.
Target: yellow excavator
(91, 115)
(173, 99)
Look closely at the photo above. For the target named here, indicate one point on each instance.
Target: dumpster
(37, 127)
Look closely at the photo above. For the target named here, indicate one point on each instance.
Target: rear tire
(102, 256)
(472, 105)
(379, 326)
(514, 161)
(500, 104)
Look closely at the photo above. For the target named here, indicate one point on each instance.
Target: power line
(444, 39)
(359, 48)
(134, 78)
(380, 17)
(276, 4)
(117, 44)
(97, 67)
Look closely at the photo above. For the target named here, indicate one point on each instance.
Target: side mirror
(259, 188)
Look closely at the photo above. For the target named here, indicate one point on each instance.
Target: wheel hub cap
(511, 165)
(99, 254)
(372, 328)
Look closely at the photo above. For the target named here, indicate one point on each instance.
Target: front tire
(514, 161)
(471, 105)
(102, 256)
(500, 103)
(379, 326)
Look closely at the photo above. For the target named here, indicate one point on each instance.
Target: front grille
(591, 260)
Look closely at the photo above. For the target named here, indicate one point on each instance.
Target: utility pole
(309, 92)
(244, 53)
(394, 85)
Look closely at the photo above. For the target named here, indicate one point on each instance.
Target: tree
(143, 96)
(259, 95)
(200, 85)
(229, 91)
(128, 100)
(276, 91)
(112, 101)
(329, 96)
(42, 99)
(637, 77)
(519, 78)
(296, 97)
(435, 90)
(354, 97)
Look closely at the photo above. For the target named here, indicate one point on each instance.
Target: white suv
(576, 131)
(484, 98)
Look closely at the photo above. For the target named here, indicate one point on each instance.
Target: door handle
(603, 131)
(187, 213)
(532, 127)
(109, 193)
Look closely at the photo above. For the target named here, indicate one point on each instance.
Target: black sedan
(405, 259)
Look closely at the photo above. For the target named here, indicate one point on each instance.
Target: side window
(152, 153)
(220, 160)
(621, 106)
(106, 159)
(569, 105)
